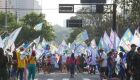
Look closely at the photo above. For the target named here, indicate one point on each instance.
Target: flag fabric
(117, 41)
(112, 38)
(38, 27)
(1, 43)
(93, 44)
(83, 36)
(126, 40)
(12, 37)
(107, 43)
(37, 40)
(136, 38)
(62, 47)
(101, 45)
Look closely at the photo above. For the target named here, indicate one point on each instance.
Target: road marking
(65, 79)
(50, 79)
(86, 79)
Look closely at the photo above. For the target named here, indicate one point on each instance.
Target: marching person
(102, 60)
(32, 66)
(3, 65)
(21, 63)
(137, 65)
(130, 60)
(72, 65)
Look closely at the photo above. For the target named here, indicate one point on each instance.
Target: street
(66, 76)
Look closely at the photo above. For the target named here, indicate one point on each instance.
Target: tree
(28, 33)
(96, 24)
(27, 23)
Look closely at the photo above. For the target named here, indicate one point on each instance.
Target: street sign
(66, 8)
(74, 23)
(99, 8)
(93, 1)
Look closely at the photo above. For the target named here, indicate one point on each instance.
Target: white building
(21, 7)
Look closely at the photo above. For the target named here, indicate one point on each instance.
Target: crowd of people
(112, 65)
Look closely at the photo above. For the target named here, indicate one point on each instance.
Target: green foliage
(28, 23)
(98, 23)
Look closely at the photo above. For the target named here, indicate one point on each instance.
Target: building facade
(20, 7)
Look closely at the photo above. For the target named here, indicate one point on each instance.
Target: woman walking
(32, 66)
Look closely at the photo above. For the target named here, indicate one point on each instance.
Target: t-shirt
(53, 60)
(64, 58)
(32, 60)
(21, 62)
(104, 57)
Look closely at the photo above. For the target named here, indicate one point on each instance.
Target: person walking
(32, 66)
(14, 65)
(137, 65)
(130, 60)
(21, 63)
(72, 65)
(3, 65)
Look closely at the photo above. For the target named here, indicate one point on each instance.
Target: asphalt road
(66, 76)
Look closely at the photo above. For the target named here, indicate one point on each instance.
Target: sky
(50, 9)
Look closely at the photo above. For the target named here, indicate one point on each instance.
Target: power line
(28, 9)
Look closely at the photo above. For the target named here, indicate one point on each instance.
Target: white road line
(86, 79)
(65, 79)
(50, 79)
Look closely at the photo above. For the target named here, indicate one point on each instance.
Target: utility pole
(6, 15)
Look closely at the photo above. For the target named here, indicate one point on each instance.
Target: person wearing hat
(130, 60)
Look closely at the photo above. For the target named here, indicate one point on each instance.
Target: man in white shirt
(102, 60)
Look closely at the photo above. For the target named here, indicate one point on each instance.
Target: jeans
(20, 73)
(31, 69)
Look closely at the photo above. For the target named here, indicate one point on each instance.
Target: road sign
(99, 8)
(66, 8)
(74, 23)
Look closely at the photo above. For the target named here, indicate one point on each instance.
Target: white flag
(38, 27)
(12, 37)
(1, 43)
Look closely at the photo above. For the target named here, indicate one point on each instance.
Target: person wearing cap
(130, 60)
(32, 66)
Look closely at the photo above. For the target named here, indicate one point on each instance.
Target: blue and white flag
(107, 43)
(12, 37)
(136, 38)
(126, 40)
(38, 27)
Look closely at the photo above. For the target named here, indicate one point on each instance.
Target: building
(27, 6)
(20, 7)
